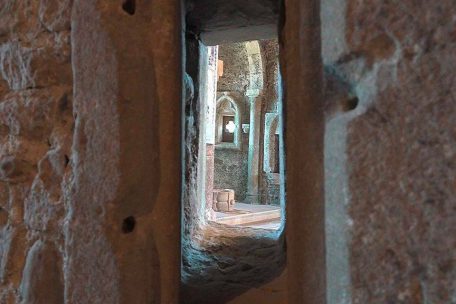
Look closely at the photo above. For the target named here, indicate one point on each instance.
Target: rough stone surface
(402, 153)
(63, 231)
(123, 223)
(218, 22)
(271, 103)
(398, 186)
(235, 68)
(222, 262)
(273, 292)
(231, 171)
(43, 275)
(35, 147)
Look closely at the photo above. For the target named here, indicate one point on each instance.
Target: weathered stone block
(12, 254)
(23, 66)
(42, 281)
(55, 14)
(32, 114)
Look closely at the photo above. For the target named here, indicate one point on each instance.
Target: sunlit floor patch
(249, 215)
(271, 225)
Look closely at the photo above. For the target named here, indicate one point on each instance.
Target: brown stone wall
(399, 59)
(80, 155)
(35, 147)
(123, 233)
(402, 153)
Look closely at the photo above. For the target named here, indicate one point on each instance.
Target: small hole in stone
(351, 104)
(7, 167)
(63, 103)
(128, 224)
(67, 160)
(129, 6)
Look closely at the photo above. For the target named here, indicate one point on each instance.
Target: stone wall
(123, 223)
(36, 126)
(74, 153)
(235, 67)
(231, 164)
(231, 171)
(269, 183)
(390, 162)
(74, 215)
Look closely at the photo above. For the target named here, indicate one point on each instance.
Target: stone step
(247, 218)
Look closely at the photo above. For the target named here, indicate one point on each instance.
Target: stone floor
(249, 215)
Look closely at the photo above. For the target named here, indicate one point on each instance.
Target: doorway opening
(243, 180)
(233, 190)
(233, 231)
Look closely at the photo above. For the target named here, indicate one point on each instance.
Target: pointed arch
(227, 106)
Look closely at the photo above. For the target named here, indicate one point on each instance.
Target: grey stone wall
(231, 171)
(230, 168)
(269, 186)
(236, 67)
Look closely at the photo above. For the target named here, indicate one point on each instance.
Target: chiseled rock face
(42, 281)
(35, 142)
(399, 58)
(63, 187)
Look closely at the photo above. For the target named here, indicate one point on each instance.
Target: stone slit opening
(233, 208)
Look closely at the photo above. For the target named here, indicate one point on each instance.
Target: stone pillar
(210, 215)
(122, 227)
(210, 105)
(254, 142)
(300, 58)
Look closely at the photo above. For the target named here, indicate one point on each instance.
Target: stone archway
(226, 104)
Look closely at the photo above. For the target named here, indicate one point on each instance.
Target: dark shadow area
(129, 6)
(222, 262)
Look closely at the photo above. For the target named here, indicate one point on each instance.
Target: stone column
(254, 142)
(300, 58)
(209, 212)
(210, 108)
